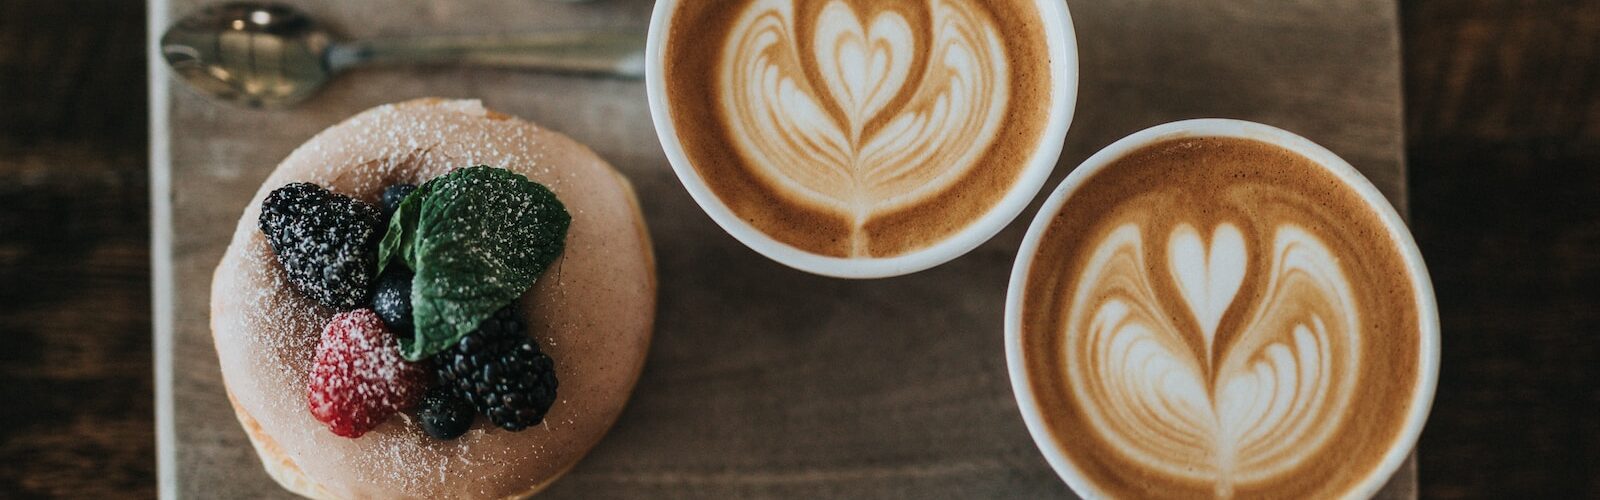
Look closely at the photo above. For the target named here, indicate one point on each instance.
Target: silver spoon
(272, 56)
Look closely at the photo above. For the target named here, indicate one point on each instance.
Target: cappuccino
(859, 129)
(1215, 317)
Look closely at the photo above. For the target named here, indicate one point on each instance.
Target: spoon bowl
(261, 56)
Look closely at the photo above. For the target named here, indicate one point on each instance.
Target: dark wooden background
(1503, 140)
(1503, 134)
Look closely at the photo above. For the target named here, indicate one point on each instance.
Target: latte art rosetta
(1220, 317)
(1190, 400)
(855, 132)
(862, 111)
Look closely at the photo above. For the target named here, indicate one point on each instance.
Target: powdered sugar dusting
(359, 379)
(267, 333)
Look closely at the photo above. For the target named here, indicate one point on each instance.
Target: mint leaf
(400, 240)
(476, 238)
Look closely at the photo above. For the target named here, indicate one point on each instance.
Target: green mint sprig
(476, 238)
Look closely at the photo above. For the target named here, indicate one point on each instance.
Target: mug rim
(1417, 272)
(1061, 42)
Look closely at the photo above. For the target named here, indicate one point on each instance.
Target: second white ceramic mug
(1427, 317)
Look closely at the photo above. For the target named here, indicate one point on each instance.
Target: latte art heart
(863, 68)
(860, 112)
(1227, 402)
(1208, 277)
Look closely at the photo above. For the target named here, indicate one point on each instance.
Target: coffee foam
(858, 128)
(1213, 317)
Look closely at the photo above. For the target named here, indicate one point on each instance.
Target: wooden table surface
(764, 381)
(1503, 135)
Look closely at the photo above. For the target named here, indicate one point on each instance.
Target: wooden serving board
(763, 381)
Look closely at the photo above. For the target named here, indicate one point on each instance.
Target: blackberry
(392, 299)
(393, 195)
(501, 371)
(326, 242)
(443, 415)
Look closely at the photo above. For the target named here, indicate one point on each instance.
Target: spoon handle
(613, 54)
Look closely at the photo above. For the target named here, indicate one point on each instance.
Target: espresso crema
(1220, 317)
(858, 128)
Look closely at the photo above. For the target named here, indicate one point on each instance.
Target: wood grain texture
(1504, 130)
(1503, 137)
(764, 381)
(75, 417)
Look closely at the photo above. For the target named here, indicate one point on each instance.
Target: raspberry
(443, 415)
(393, 195)
(392, 299)
(359, 379)
(327, 243)
(500, 370)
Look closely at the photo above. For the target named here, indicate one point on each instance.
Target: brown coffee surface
(858, 128)
(1220, 317)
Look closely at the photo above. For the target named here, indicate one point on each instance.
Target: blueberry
(393, 195)
(443, 415)
(392, 300)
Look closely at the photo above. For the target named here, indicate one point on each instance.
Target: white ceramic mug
(1427, 317)
(1063, 66)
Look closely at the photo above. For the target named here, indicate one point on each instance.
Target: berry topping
(392, 299)
(443, 415)
(477, 238)
(393, 195)
(500, 370)
(326, 242)
(359, 379)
